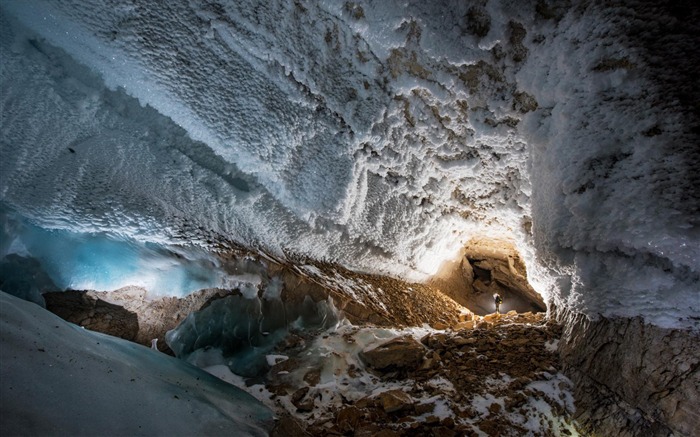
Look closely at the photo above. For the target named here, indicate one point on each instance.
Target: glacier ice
(59, 379)
(241, 331)
(35, 259)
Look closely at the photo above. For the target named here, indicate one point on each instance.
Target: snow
(552, 346)
(442, 384)
(536, 415)
(274, 359)
(59, 379)
(539, 413)
(382, 136)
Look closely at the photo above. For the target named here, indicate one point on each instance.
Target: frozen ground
(381, 135)
(499, 379)
(59, 379)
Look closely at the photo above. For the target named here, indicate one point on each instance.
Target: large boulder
(129, 313)
(88, 310)
(395, 400)
(398, 353)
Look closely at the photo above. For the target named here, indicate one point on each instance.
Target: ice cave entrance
(484, 267)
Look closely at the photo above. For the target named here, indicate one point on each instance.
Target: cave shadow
(86, 310)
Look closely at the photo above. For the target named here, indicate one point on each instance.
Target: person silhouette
(498, 300)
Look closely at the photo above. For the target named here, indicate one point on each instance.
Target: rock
(288, 426)
(431, 362)
(464, 325)
(367, 430)
(293, 341)
(348, 419)
(313, 377)
(424, 408)
(434, 340)
(466, 317)
(305, 406)
(492, 317)
(395, 400)
(448, 422)
(491, 427)
(442, 431)
(495, 408)
(91, 311)
(298, 395)
(367, 402)
(284, 366)
(461, 341)
(439, 326)
(386, 433)
(403, 352)
(632, 378)
(117, 312)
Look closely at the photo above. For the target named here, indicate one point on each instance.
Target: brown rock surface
(127, 312)
(348, 418)
(467, 364)
(288, 426)
(89, 310)
(485, 267)
(395, 400)
(402, 352)
(631, 378)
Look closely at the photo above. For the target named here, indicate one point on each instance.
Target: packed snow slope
(80, 382)
(378, 134)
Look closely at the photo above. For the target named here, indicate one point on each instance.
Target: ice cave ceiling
(382, 135)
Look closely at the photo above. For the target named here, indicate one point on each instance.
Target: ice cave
(349, 218)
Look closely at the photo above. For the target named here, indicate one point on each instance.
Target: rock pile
(500, 378)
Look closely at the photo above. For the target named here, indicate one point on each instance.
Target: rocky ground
(498, 378)
(405, 360)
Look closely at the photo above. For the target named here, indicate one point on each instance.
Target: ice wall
(381, 135)
(616, 159)
(34, 260)
(240, 332)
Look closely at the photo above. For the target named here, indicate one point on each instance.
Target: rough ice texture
(632, 378)
(615, 160)
(247, 328)
(59, 379)
(382, 135)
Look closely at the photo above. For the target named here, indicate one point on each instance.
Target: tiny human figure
(154, 344)
(498, 300)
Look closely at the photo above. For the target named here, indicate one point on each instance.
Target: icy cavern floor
(422, 368)
(497, 378)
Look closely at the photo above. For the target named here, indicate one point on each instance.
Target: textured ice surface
(59, 379)
(381, 135)
(34, 260)
(242, 331)
(615, 159)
